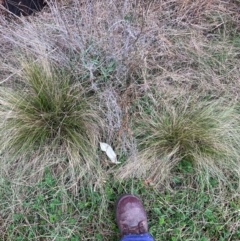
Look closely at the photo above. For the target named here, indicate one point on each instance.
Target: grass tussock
(47, 110)
(203, 132)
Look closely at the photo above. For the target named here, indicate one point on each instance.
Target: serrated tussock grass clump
(49, 109)
(205, 133)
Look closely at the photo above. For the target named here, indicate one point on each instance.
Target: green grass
(190, 215)
(45, 211)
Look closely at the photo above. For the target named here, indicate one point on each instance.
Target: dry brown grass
(121, 52)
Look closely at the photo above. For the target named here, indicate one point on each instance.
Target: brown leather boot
(130, 215)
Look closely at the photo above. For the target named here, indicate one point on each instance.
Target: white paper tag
(110, 152)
